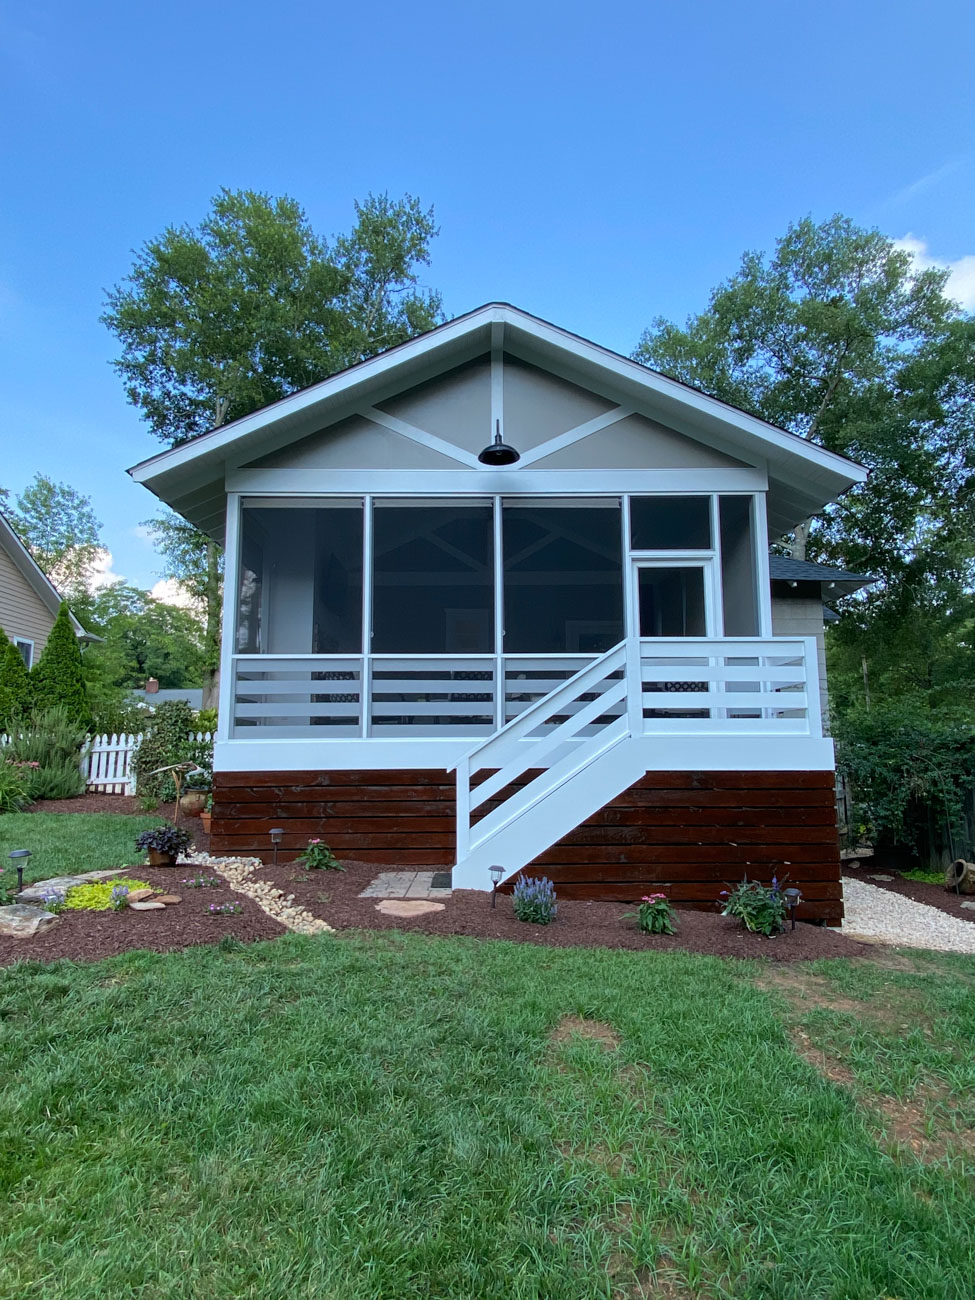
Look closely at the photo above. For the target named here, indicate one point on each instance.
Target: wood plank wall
(683, 833)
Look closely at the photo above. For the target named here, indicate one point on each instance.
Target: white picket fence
(106, 761)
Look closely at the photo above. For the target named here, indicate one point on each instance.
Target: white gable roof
(802, 477)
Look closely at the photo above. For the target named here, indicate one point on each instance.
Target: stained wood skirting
(683, 833)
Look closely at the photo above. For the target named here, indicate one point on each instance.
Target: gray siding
(794, 616)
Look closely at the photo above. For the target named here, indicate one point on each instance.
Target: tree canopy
(58, 526)
(251, 305)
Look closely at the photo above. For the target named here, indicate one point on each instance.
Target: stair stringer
(555, 814)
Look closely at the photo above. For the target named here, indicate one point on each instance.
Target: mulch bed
(333, 896)
(89, 936)
(921, 892)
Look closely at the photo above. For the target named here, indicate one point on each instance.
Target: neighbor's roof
(784, 569)
(802, 476)
(37, 578)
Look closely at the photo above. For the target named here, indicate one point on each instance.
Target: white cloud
(924, 182)
(171, 592)
(961, 281)
(102, 574)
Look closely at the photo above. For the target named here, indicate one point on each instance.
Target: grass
(369, 1117)
(64, 844)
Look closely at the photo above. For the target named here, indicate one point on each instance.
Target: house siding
(22, 612)
(684, 833)
(803, 616)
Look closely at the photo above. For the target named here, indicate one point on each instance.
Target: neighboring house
(148, 696)
(561, 657)
(29, 602)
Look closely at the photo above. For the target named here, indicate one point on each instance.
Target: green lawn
(63, 844)
(388, 1116)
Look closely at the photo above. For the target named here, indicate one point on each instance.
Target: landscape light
(496, 874)
(793, 898)
(20, 858)
(277, 835)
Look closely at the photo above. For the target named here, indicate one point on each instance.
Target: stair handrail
(542, 704)
(526, 721)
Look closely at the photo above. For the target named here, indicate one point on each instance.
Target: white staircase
(581, 736)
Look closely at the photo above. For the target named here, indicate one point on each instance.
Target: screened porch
(364, 617)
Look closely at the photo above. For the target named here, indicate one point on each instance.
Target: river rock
(21, 921)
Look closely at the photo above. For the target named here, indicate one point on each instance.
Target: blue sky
(598, 165)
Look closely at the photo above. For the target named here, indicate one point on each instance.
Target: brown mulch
(333, 896)
(89, 936)
(921, 892)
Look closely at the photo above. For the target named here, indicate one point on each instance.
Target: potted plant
(196, 787)
(164, 844)
(206, 814)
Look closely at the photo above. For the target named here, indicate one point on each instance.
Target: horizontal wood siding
(683, 833)
(22, 612)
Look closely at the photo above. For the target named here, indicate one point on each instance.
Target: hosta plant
(760, 908)
(655, 915)
(533, 899)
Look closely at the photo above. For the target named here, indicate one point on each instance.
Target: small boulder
(148, 905)
(168, 900)
(139, 895)
(20, 921)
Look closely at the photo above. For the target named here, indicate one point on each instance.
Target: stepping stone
(880, 876)
(970, 905)
(21, 921)
(148, 905)
(168, 900)
(139, 895)
(407, 907)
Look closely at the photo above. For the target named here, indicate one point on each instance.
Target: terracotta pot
(193, 802)
(205, 822)
(157, 859)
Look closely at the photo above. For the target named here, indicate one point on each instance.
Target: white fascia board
(336, 386)
(488, 482)
(503, 323)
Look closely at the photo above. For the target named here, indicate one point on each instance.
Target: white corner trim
(420, 436)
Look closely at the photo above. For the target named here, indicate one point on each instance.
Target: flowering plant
(224, 909)
(53, 900)
(119, 897)
(533, 899)
(201, 882)
(655, 915)
(760, 908)
(319, 857)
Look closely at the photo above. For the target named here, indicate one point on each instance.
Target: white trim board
(488, 481)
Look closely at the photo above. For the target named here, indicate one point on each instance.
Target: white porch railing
(324, 697)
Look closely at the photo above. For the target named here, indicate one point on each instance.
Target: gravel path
(884, 917)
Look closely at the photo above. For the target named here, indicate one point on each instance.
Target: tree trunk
(211, 636)
(800, 538)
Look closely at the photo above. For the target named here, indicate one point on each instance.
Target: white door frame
(674, 560)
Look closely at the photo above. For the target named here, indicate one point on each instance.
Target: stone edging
(273, 902)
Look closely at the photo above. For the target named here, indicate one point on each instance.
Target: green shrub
(166, 740)
(760, 908)
(14, 688)
(57, 678)
(14, 780)
(51, 740)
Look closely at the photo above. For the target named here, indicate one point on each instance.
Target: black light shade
(498, 452)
